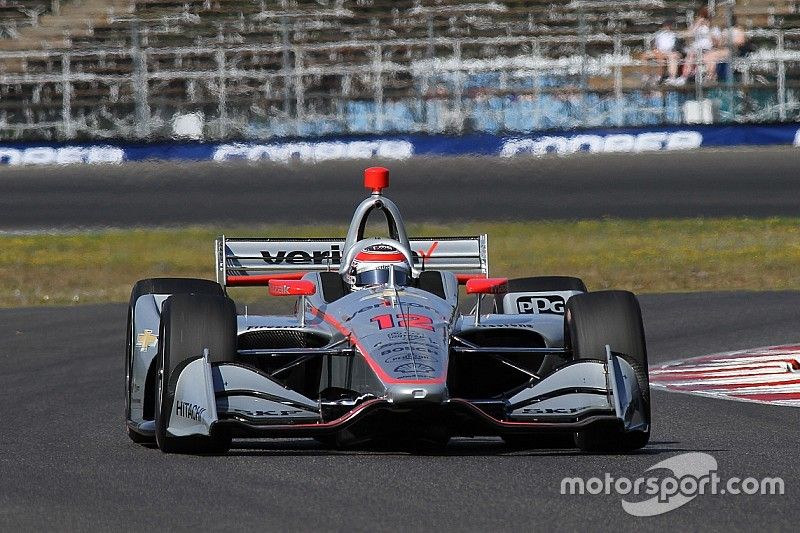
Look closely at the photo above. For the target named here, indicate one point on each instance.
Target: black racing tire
(614, 318)
(191, 323)
(541, 284)
(155, 286)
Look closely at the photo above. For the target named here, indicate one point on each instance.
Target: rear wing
(243, 262)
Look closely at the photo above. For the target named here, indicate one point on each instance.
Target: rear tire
(541, 284)
(613, 318)
(155, 286)
(191, 323)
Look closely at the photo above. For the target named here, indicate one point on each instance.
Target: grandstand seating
(166, 23)
(314, 66)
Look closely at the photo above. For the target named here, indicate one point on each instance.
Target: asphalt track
(743, 182)
(66, 464)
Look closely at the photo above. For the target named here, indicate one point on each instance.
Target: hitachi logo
(189, 410)
(301, 257)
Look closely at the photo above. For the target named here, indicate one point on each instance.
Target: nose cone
(407, 393)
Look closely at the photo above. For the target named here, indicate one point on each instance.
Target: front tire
(614, 318)
(189, 325)
(152, 286)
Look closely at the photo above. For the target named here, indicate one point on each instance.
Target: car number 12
(403, 320)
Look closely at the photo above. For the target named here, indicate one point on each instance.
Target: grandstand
(89, 69)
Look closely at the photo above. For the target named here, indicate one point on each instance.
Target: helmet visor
(380, 276)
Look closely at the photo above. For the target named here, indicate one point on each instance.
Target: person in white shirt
(664, 49)
(703, 37)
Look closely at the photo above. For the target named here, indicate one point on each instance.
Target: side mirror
(290, 287)
(287, 287)
(481, 286)
(487, 286)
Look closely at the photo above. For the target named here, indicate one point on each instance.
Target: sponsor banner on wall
(629, 140)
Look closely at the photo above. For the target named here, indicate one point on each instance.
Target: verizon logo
(301, 257)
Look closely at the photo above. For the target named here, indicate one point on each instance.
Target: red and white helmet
(376, 264)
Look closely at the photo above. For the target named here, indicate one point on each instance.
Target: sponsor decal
(529, 326)
(276, 413)
(315, 151)
(554, 411)
(415, 368)
(302, 257)
(412, 357)
(332, 255)
(541, 305)
(67, 155)
(406, 348)
(643, 142)
(146, 340)
(189, 410)
(381, 304)
(410, 335)
(423, 254)
(271, 327)
(405, 342)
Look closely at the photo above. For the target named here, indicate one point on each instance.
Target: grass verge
(642, 256)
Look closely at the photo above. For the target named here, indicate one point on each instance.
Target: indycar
(384, 345)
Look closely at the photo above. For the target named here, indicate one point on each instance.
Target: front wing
(580, 394)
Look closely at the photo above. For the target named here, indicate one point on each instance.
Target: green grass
(642, 256)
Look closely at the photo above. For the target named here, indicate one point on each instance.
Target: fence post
(729, 78)
(299, 90)
(536, 52)
(222, 105)
(458, 89)
(583, 28)
(286, 68)
(66, 97)
(781, 78)
(620, 118)
(377, 72)
(699, 75)
(140, 84)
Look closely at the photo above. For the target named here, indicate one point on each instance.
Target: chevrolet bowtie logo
(146, 340)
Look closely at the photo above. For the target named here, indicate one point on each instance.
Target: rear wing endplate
(255, 261)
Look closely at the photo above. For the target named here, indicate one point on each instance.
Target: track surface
(754, 183)
(66, 464)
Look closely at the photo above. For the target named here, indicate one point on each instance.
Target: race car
(378, 348)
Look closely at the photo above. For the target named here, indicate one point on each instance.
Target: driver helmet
(372, 266)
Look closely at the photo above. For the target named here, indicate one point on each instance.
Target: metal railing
(379, 87)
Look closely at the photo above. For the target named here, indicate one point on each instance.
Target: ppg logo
(553, 305)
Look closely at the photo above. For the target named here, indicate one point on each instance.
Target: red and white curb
(765, 375)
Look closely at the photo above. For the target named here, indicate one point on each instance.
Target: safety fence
(434, 86)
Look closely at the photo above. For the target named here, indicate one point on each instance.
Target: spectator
(665, 50)
(732, 40)
(702, 36)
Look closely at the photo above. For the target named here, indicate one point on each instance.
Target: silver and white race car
(378, 349)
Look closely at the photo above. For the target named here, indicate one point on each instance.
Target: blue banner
(317, 150)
